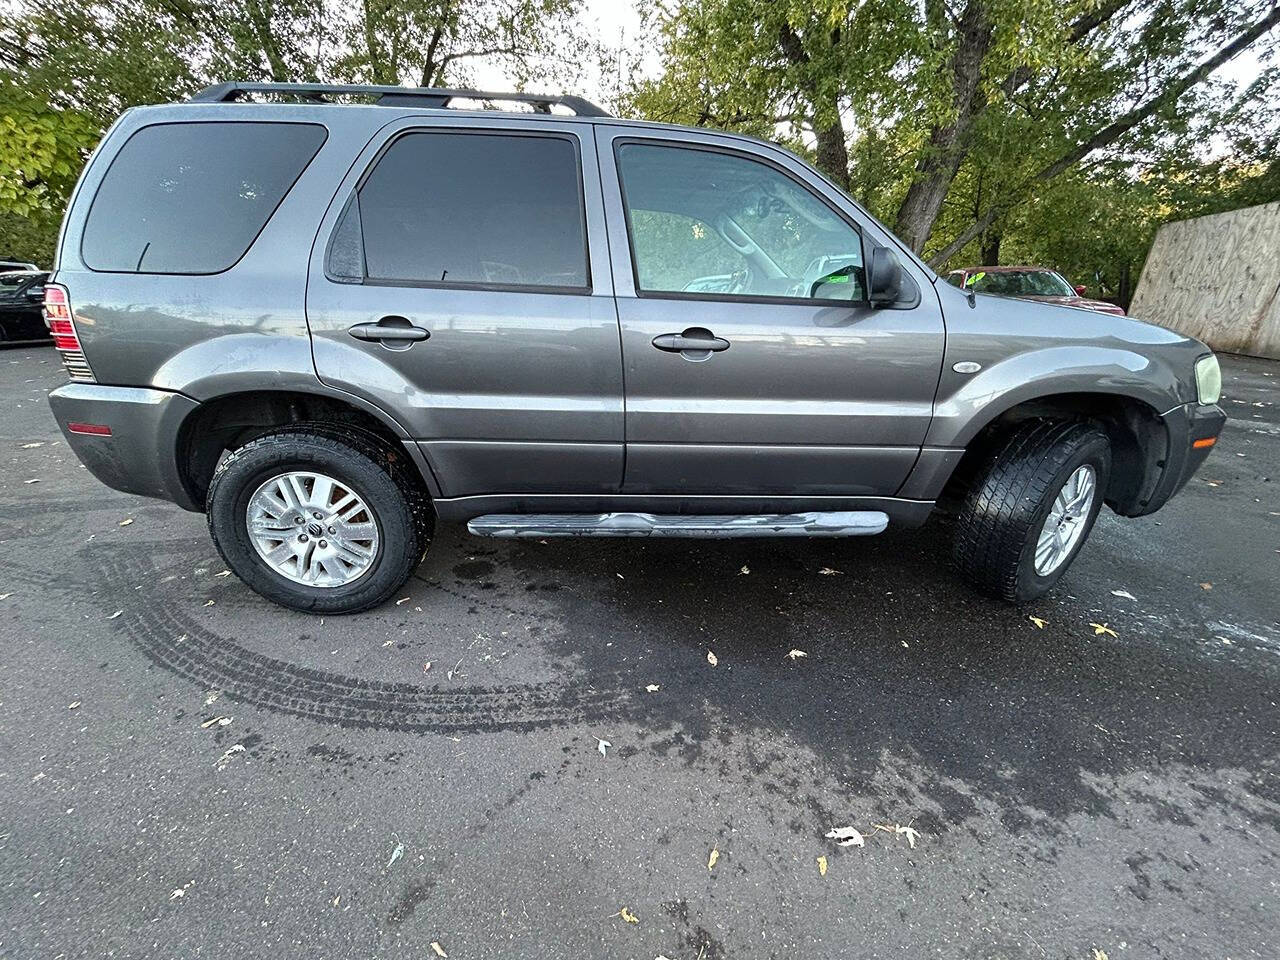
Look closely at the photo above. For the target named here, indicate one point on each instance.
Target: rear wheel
(1028, 513)
(319, 520)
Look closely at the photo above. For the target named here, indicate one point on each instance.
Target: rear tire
(388, 538)
(1006, 511)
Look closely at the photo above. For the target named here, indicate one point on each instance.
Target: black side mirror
(36, 294)
(884, 276)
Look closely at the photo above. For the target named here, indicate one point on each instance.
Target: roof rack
(394, 96)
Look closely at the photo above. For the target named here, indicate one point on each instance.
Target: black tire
(374, 468)
(1007, 502)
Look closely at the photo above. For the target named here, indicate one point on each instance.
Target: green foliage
(68, 68)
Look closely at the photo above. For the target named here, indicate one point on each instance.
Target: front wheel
(1027, 515)
(318, 520)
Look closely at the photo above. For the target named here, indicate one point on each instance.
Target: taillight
(62, 326)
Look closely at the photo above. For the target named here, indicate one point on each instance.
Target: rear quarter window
(190, 198)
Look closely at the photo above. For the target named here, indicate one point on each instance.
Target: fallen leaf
(178, 894)
(1099, 954)
(830, 572)
(5, 596)
(910, 832)
(796, 654)
(1124, 594)
(32, 480)
(337, 900)
(32, 446)
(388, 643)
(745, 570)
(126, 522)
(435, 945)
(1100, 628)
(846, 837)
(426, 667)
(230, 752)
(213, 695)
(116, 614)
(652, 688)
(73, 705)
(224, 573)
(1206, 586)
(602, 746)
(712, 658)
(208, 603)
(1038, 622)
(402, 600)
(711, 860)
(216, 721)
(396, 854)
(627, 915)
(822, 866)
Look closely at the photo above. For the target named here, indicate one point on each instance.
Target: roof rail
(394, 96)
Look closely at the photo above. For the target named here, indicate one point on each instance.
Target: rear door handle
(695, 338)
(394, 329)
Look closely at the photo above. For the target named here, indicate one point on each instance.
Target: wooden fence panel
(1217, 278)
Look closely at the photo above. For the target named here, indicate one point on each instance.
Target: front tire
(319, 519)
(1026, 516)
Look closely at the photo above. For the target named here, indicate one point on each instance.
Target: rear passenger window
(192, 197)
(473, 209)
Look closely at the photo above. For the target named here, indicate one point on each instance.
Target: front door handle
(695, 339)
(389, 329)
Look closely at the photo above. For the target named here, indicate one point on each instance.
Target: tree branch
(1114, 131)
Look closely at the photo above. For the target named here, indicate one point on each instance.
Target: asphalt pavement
(533, 754)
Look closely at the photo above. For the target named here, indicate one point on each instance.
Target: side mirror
(36, 294)
(884, 276)
(1080, 289)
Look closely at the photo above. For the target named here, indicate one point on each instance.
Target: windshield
(1022, 283)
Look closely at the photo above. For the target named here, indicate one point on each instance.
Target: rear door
(754, 365)
(461, 282)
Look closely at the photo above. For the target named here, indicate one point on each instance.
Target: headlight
(1208, 379)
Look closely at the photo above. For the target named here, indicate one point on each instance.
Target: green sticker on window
(970, 281)
(836, 278)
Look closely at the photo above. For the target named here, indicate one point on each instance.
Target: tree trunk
(833, 154)
(1113, 131)
(941, 158)
(1124, 292)
(991, 249)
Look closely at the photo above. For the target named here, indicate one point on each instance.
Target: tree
(68, 68)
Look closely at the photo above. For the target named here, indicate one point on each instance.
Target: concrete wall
(1217, 278)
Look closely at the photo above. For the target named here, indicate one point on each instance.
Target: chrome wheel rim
(312, 529)
(1065, 525)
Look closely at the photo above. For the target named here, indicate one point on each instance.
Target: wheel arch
(229, 420)
(1138, 435)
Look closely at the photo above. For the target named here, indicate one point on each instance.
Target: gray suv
(330, 316)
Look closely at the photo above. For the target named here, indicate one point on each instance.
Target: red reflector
(93, 429)
(63, 327)
(1205, 442)
(65, 342)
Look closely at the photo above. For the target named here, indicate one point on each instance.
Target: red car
(1028, 283)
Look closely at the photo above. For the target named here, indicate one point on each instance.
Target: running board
(835, 523)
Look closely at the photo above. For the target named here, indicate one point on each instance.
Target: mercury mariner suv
(330, 317)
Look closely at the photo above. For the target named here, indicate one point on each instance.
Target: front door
(461, 283)
(754, 365)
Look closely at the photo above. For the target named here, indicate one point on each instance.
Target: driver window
(712, 223)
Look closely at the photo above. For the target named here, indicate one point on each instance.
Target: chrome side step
(835, 523)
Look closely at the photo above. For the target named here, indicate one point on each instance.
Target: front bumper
(140, 455)
(1185, 425)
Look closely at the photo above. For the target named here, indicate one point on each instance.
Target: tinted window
(475, 209)
(707, 222)
(192, 197)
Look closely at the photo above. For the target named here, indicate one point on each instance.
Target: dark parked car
(1029, 283)
(22, 306)
(331, 325)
